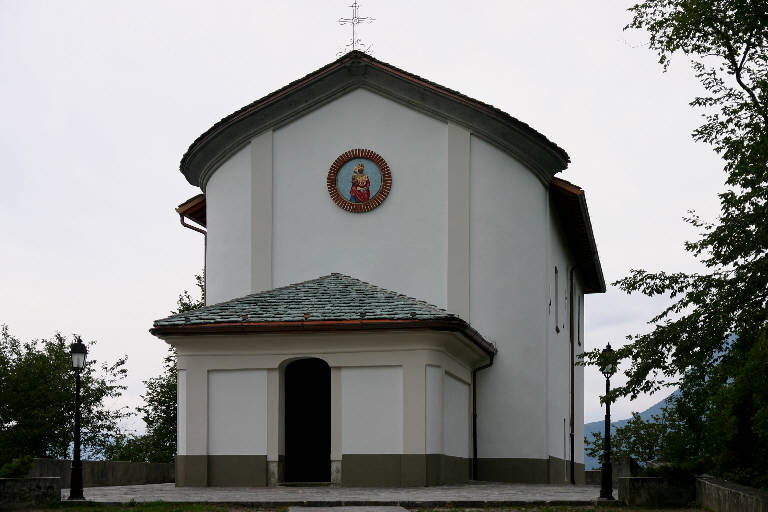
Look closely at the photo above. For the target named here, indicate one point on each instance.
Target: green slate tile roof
(332, 297)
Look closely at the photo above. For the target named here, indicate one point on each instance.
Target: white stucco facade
(513, 243)
(374, 247)
(470, 225)
(378, 245)
(228, 204)
(567, 297)
(508, 300)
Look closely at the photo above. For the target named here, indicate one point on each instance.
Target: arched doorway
(308, 421)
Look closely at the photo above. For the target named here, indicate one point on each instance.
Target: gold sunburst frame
(381, 195)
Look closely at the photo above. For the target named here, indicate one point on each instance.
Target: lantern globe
(608, 367)
(78, 351)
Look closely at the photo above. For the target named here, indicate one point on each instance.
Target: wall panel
(456, 417)
(237, 412)
(372, 410)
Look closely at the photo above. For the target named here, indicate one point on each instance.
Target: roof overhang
(194, 209)
(449, 324)
(359, 70)
(571, 205)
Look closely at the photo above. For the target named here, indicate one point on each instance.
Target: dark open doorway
(308, 421)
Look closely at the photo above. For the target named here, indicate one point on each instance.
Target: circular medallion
(359, 180)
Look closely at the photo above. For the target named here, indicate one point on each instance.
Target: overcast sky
(99, 100)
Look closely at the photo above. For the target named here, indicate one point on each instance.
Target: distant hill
(599, 426)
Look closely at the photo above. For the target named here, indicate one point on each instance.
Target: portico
(398, 389)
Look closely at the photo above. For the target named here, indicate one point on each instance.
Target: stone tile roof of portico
(331, 297)
(332, 301)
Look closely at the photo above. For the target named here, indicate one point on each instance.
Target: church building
(395, 285)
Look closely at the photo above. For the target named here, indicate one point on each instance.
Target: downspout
(572, 372)
(474, 416)
(205, 245)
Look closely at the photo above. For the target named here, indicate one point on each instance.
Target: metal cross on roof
(355, 43)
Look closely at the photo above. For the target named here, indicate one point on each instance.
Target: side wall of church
(515, 244)
(508, 305)
(558, 355)
(229, 220)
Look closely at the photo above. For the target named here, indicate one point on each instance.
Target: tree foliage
(637, 438)
(37, 399)
(186, 302)
(711, 340)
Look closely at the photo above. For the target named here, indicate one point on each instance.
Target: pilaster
(458, 221)
(197, 411)
(414, 407)
(261, 212)
(336, 420)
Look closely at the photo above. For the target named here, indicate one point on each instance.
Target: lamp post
(78, 351)
(606, 477)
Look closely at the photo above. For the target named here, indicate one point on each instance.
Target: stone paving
(347, 509)
(468, 495)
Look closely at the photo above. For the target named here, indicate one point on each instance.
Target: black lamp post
(78, 351)
(606, 477)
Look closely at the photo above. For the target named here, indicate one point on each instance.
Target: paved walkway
(348, 509)
(467, 495)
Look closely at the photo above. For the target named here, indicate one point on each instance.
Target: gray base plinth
(336, 472)
(273, 473)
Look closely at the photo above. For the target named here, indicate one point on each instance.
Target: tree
(158, 444)
(186, 302)
(711, 340)
(37, 397)
(637, 438)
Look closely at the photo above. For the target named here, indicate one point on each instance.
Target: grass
(564, 508)
(216, 507)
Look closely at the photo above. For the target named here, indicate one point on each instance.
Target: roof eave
(598, 268)
(589, 259)
(194, 209)
(453, 324)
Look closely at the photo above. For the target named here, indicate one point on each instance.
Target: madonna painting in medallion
(359, 180)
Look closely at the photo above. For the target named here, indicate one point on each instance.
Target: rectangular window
(581, 319)
(557, 300)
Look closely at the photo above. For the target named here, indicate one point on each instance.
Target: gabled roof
(357, 69)
(571, 205)
(332, 302)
